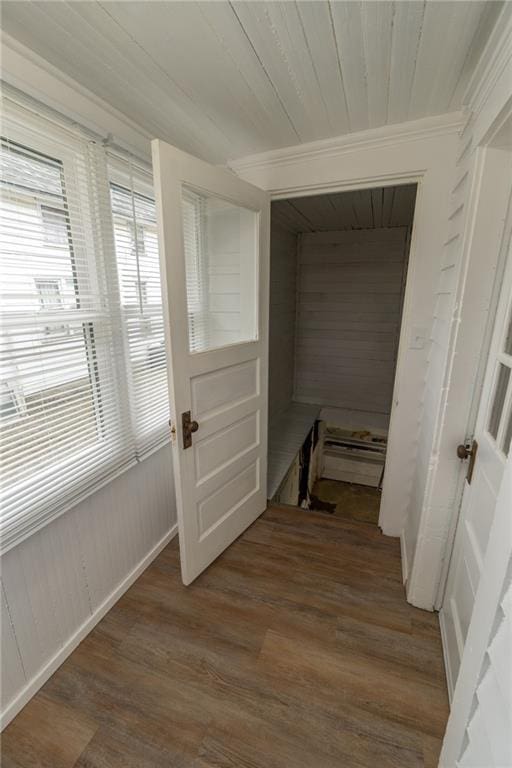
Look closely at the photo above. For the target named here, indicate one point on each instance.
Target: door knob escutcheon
(188, 426)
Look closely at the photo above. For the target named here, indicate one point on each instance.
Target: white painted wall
(350, 291)
(283, 271)
(477, 207)
(57, 584)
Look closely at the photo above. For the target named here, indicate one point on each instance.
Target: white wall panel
(350, 289)
(283, 268)
(55, 583)
(12, 673)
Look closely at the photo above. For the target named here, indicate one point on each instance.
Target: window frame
(102, 369)
(135, 180)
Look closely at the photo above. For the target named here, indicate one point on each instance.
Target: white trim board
(405, 561)
(444, 644)
(31, 688)
(373, 138)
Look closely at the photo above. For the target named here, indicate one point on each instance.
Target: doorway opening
(338, 272)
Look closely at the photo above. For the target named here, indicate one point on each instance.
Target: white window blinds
(194, 237)
(136, 241)
(80, 349)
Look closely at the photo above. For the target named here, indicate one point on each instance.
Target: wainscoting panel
(58, 583)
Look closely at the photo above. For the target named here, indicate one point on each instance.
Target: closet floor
(295, 649)
(347, 500)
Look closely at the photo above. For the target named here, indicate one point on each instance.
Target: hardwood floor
(295, 649)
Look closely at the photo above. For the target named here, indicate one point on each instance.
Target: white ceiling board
(377, 25)
(446, 38)
(407, 27)
(358, 209)
(203, 79)
(228, 79)
(318, 30)
(277, 36)
(239, 50)
(349, 42)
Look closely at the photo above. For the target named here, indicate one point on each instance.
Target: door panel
(226, 445)
(214, 241)
(492, 433)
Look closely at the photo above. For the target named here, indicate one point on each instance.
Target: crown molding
(374, 138)
(25, 70)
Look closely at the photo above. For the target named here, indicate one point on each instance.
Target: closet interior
(338, 270)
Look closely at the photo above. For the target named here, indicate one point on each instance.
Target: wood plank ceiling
(361, 209)
(227, 79)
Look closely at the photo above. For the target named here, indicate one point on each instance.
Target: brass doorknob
(194, 426)
(463, 452)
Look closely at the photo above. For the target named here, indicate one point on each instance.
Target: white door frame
(423, 153)
(481, 287)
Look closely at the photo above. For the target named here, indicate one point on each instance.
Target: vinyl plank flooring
(47, 734)
(295, 649)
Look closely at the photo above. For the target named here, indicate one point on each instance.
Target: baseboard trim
(405, 562)
(447, 669)
(31, 688)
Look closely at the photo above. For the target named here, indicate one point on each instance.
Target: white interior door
(493, 434)
(214, 244)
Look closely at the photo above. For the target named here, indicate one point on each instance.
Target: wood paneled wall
(350, 288)
(59, 582)
(283, 271)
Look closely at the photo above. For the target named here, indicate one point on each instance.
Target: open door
(214, 251)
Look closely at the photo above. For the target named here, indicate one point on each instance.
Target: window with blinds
(136, 242)
(83, 389)
(196, 273)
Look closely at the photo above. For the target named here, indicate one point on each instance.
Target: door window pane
(221, 264)
(508, 435)
(508, 337)
(498, 399)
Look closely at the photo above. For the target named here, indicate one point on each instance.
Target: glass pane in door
(221, 265)
(508, 338)
(507, 439)
(498, 401)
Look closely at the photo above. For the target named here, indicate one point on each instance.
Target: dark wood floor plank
(47, 734)
(295, 649)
